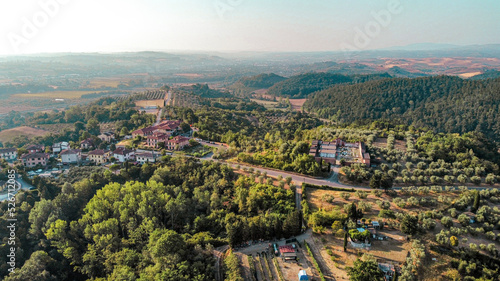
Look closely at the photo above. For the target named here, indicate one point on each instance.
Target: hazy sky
(241, 25)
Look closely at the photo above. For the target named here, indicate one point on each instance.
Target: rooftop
(98, 152)
(35, 155)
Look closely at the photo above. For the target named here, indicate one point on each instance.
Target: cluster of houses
(161, 134)
(333, 152)
(165, 134)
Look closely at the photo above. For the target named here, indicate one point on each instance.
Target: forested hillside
(300, 86)
(155, 222)
(441, 103)
(487, 75)
(246, 85)
(203, 91)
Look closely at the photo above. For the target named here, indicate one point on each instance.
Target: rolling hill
(245, 86)
(443, 103)
(301, 86)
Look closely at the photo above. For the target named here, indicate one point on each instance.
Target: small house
(87, 144)
(147, 157)
(8, 154)
(60, 146)
(122, 154)
(71, 156)
(107, 136)
(99, 156)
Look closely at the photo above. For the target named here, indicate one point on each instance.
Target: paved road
(24, 186)
(299, 179)
(169, 97)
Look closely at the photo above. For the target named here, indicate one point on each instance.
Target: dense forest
(441, 103)
(300, 86)
(245, 86)
(202, 90)
(155, 222)
(487, 75)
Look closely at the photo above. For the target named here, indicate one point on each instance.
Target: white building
(150, 157)
(122, 154)
(60, 146)
(71, 156)
(8, 154)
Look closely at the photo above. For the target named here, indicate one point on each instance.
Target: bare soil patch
(10, 134)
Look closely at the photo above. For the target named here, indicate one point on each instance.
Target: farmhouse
(169, 127)
(32, 159)
(8, 154)
(99, 156)
(87, 144)
(123, 154)
(147, 157)
(107, 136)
(177, 143)
(333, 152)
(287, 253)
(71, 156)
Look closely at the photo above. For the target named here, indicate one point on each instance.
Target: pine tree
(345, 241)
(477, 198)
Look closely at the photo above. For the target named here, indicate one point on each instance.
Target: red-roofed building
(32, 159)
(87, 144)
(177, 143)
(287, 252)
(166, 127)
(157, 138)
(34, 148)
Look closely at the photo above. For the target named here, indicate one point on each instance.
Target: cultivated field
(56, 94)
(10, 134)
(297, 104)
(56, 128)
(266, 103)
(149, 103)
(7, 109)
(112, 82)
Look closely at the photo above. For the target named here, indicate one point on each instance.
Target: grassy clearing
(266, 103)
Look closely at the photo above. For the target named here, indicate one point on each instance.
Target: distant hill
(487, 75)
(203, 91)
(301, 86)
(247, 85)
(443, 103)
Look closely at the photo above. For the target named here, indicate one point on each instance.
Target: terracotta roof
(35, 155)
(178, 139)
(146, 154)
(89, 141)
(34, 147)
(122, 151)
(286, 249)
